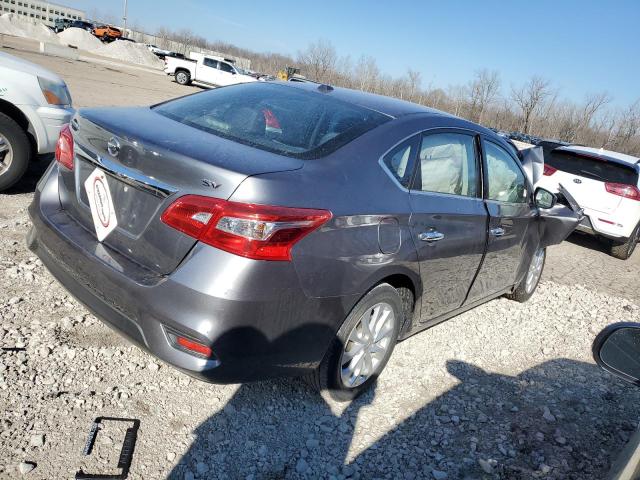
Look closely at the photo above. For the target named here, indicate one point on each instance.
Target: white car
(157, 50)
(606, 185)
(206, 70)
(34, 105)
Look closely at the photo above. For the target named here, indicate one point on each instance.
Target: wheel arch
(409, 291)
(17, 115)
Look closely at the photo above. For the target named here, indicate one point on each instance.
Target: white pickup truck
(34, 105)
(205, 69)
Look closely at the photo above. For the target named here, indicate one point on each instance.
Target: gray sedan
(273, 229)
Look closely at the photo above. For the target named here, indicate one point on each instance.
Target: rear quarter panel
(345, 257)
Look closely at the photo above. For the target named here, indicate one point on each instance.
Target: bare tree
(366, 73)
(593, 104)
(414, 81)
(319, 60)
(529, 98)
(456, 95)
(184, 38)
(434, 97)
(164, 36)
(628, 125)
(482, 90)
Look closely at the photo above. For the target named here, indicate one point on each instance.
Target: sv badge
(209, 183)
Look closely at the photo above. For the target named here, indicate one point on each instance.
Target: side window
(447, 164)
(208, 62)
(225, 67)
(400, 161)
(506, 181)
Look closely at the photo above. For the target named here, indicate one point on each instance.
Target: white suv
(34, 105)
(606, 185)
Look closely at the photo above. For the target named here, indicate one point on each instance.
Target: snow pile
(79, 38)
(129, 52)
(12, 24)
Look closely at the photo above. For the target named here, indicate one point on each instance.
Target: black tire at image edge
(21, 148)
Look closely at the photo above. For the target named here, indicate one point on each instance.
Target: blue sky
(581, 46)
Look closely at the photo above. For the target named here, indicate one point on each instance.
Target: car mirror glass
(617, 350)
(544, 198)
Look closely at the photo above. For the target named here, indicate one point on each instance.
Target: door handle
(497, 232)
(431, 236)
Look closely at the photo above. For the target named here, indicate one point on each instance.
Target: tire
(329, 375)
(17, 152)
(527, 286)
(105, 38)
(624, 250)
(183, 78)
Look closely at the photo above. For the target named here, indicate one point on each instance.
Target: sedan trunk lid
(150, 160)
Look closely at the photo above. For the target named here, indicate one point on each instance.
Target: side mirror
(544, 198)
(617, 350)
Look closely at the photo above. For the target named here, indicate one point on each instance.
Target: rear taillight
(260, 232)
(548, 170)
(623, 190)
(270, 119)
(64, 148)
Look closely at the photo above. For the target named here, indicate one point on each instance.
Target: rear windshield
(594, 168)
(276, 118)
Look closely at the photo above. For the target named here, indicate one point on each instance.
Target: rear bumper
(254, 315)
(617, 225)
(601, 224)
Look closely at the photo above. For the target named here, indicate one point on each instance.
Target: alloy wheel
(6, 155)
(535, 270)
(367, 345)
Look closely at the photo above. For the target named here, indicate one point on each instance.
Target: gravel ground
(506, 390)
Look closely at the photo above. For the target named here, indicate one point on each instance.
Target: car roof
(386, 105)
(601, 153)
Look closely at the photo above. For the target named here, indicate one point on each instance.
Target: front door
(448, 220)
(513, 229)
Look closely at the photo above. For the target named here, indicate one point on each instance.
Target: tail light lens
(64, 148)
(260, 232)
(270, 119)
(548, 170)
(623, 190)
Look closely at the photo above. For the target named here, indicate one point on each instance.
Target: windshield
(276, 118)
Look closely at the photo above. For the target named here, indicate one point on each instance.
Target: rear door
(448, 221)
(226, 74)
(513, 233)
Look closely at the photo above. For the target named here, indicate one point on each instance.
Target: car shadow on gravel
(589, 241)
(561, 419)
(35, 170)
